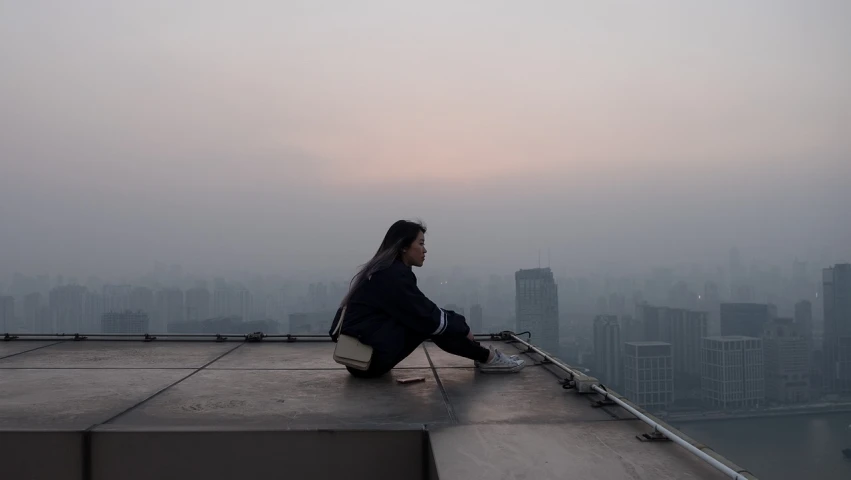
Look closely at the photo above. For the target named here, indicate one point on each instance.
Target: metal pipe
(670, 435)
(626, 406)
(547, 356)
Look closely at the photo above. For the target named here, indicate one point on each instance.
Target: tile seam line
(162, 390)
(32, 349)
(453, 419)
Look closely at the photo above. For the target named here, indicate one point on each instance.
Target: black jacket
(389, 307)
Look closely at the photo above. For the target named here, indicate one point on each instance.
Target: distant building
(648, 374)
(125, 322)
(169, 309)
(116, 298)
(66, 305)
(32, 303)
(684, 330)
(198, 304)
(733, 371)
(7, 314)
(632, 330)
(607, 350)
(536, 306)
(476, 319)
(142, 300)
(93, 310)
(787, 362)
(804, 318)
(837, 328)
(311, 322)
(745, 319)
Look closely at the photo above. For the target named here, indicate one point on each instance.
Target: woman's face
(414, 254)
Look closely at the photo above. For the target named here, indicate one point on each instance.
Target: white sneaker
(502, 363)
(513, 357)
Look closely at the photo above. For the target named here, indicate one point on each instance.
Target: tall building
(198, 304)
(632, 330)
(745, 319)
(648, 374)
(93, 310)
(476, 319)
(837, 328)
(242, 302)
(116, 298)
(804, 318)
(733, 371)
(607, 350)
(536, 305)
(684, 330)
(169, 307)
(32, 302)
(222, 301)
(787, 362)
(125, 322)
(311, 322)
(7, 314)
(142, 300)
(66, 305)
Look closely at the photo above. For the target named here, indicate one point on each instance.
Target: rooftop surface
(179, 409)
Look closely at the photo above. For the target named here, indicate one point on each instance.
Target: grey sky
(266, 135)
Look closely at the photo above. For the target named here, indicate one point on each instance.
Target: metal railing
(659, 426)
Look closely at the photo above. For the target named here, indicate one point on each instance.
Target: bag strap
(340, 323)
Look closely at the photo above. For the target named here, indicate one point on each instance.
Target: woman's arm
(404, 301)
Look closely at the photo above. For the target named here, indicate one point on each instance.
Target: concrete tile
(294, 398)
(592, 451)
(16, 347)
(105, 354)
(532, 395)
(74, 399)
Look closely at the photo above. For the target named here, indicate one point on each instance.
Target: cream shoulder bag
(349, 351)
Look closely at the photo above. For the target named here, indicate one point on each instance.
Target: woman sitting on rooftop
(386, 310)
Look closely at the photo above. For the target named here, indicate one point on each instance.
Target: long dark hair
(399, 236)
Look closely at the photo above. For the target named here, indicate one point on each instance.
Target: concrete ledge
(37, 455)
(258, 455)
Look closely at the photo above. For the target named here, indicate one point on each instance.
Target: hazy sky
(266, 135)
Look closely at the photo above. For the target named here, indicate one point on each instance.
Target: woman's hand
(470, 336)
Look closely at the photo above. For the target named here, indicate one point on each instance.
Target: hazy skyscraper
(93, 310)
(125, 322)
(198, 303)
(607, 350)
(66, 304)
(169, 308)
(116, 298)
(537, 307)
(142, 300)
(787, 362)
(476, 320)
(837, 328)
(745, 319)
(684, 330)
(733, 371)
(648, 374)
(32, 303)
(7, 313)
(804, 317)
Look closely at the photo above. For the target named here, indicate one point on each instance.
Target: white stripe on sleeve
(442, 327)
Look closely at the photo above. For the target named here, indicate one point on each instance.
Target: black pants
(456, 345)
